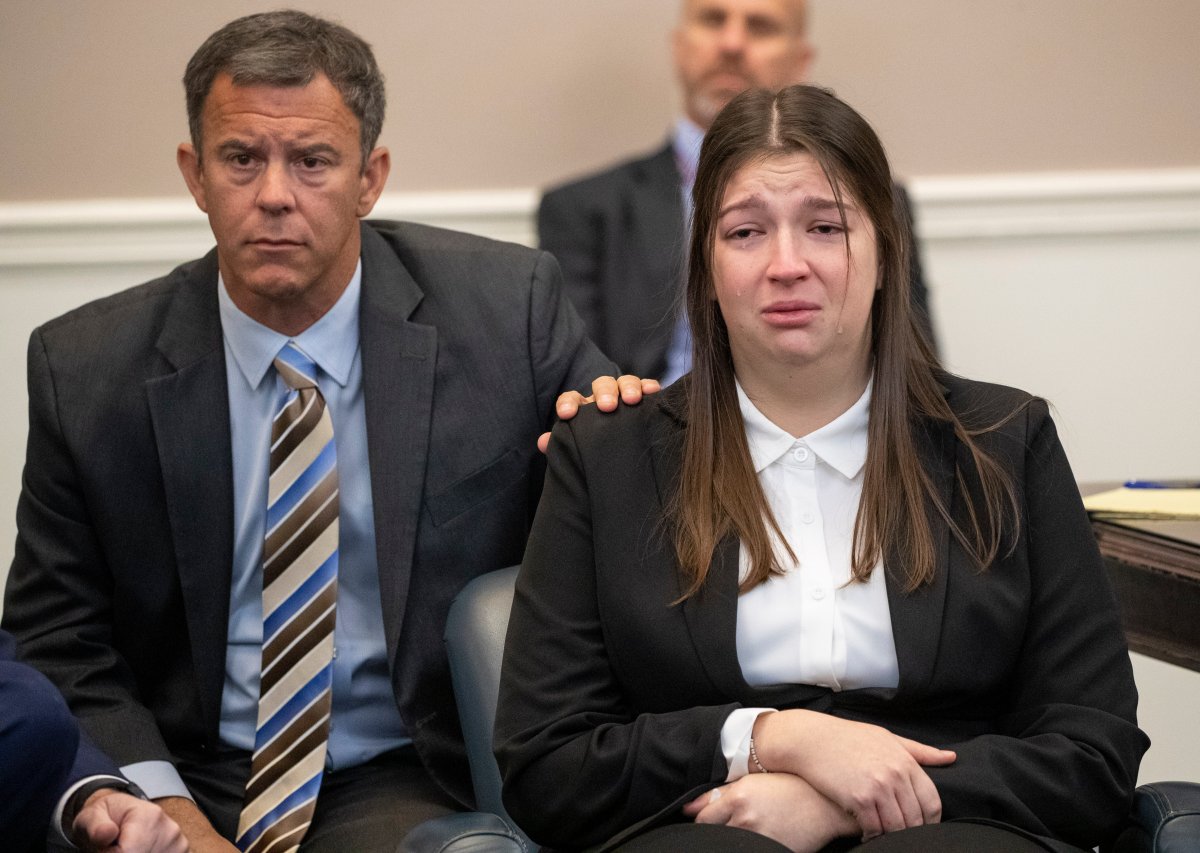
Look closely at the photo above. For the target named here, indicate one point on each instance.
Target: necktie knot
(295, 368)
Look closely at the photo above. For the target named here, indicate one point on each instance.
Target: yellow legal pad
(1144, 503)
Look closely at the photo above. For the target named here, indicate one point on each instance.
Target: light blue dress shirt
(365, 721)
(686, 140)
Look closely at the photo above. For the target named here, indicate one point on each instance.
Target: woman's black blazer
(613, 696)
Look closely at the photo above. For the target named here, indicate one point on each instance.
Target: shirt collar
(841, 443)
(686, 138)
(331, 342)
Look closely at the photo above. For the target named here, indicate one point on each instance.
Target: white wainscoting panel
(1081, 287)
(1084, 289)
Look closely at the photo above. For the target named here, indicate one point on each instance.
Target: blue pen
(1162, 484)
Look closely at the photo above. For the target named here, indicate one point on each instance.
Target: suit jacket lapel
(189, 408)
(710, 614)
(398, 361)
(653, 265)
(917, 615)
(658, 204)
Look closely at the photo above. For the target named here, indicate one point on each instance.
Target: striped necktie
(300, 563)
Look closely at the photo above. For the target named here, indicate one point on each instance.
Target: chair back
(475, 630)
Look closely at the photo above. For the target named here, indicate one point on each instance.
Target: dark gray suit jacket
(119, 590)
(612, 697)
(619, 236)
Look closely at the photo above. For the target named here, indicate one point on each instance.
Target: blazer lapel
(917, 615)
(710, 614)
(648, 273)
(189, 409)
(658, 204)
(398, 361)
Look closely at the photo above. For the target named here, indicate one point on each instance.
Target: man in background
(253, 486)
(620, 234)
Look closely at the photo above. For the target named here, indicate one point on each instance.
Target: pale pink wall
(486, 94)
(968, 86)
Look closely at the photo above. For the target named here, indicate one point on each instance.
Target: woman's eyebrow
(817, 204)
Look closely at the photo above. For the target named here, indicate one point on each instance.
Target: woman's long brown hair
(719, 493)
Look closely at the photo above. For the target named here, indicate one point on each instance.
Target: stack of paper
(1144, 503)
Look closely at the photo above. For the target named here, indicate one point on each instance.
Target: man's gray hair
(289, 48)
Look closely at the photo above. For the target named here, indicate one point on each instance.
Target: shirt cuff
(57, 818)
(735, 740)
(157, 779)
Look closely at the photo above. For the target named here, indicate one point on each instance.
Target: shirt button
(800, 454)
(807, 517)
(335, 652)
(818, 593)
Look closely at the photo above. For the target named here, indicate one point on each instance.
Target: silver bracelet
(754, 757)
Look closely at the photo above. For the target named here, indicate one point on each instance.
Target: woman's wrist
(779, 740)
(755, 763)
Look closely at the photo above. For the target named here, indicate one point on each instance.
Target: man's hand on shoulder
(113, 820)
(606, 392)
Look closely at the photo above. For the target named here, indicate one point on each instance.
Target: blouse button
(807, 517)
(800, 454)
(818, 593)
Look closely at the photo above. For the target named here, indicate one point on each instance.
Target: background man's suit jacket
(612, 697)
(620, 238)
(119, 589)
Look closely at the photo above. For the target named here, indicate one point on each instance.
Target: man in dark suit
(157, 442)
(620, 234)
(50, 770)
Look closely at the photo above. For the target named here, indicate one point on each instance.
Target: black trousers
(953, 837)
(365, 809)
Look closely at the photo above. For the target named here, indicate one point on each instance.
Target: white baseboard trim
(1098, 204)
(1059, 204)
(104, 232)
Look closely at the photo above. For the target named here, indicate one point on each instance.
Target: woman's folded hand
(778, 805)
(866, 770)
